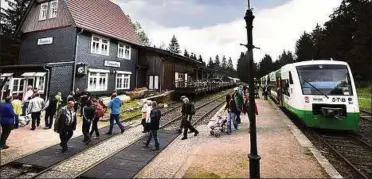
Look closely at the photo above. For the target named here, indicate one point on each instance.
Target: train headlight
(307, 99)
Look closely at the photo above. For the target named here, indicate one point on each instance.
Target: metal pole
(254, 158)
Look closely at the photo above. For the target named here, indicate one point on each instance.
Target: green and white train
(321, 93)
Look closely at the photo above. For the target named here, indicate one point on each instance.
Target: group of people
(236, 104)
(32, 103)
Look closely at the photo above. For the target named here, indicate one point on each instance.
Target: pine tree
(230, 68)
(266, 65)
(224, 63)
(186, 54)
(242, 67)
(317, 38)
(304, 47)
(11, 17)
(217, 63)
(174, 47)
(200, 58)
(210, 63)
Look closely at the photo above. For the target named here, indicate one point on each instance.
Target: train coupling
(333, 112)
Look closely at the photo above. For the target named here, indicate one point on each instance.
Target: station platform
(285, 152)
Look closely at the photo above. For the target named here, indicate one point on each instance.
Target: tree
(284, 58)
(317, 39)
(304, 47)
(9, 44)
(266, 66)
(210, 63)
(242, 67)
(230, 68)
(200, 58)
(186, 54)
(224, 63)
(140, 32)
(174, 47)
(217, 63)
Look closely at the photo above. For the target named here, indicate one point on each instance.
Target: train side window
(290, 78)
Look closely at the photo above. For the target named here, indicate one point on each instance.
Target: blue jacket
(6, 114)
(115, 105)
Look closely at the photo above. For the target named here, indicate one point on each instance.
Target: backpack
(191, 108)
(99, 111)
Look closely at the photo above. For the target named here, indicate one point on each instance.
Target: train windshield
(325, 80)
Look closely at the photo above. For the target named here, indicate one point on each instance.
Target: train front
(329, 91)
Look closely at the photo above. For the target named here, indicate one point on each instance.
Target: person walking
(6, 120)
(17, 107)
(25, 99)
(115, 106)
(239, 103)
(232, 110)
(144, 115)
(153, 127)
(183, 114)
(65, 124)
(188, 109)
(50, 111)
(99, 113)
(35, 106)
(89, 113)
(59, 100)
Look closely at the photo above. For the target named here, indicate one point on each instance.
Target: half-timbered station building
(86, 44)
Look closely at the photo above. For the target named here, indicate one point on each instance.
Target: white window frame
(38, 79)
(123, 50)
(43, 13)
(53, 10)
(124, 75)
(100, 43)
(97, 77)
(18, 90)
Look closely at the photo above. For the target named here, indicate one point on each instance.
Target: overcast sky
(211, 27)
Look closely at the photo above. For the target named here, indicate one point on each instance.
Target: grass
(201, 174)
(364, 98)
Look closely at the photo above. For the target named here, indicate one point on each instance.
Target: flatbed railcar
(321, 93)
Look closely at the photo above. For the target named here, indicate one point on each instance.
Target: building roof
(168, 53)
(103, 17)
(98, 16)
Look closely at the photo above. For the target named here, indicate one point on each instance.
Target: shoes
(190, 132)
(87, 142)
(4, 147)
(155, 149)
(32, 129)
(122, 131)
(144, 131)
(64, 149)
(46, 128)
(184, 138)
(109, 133)
(179, 131)
(196, 133)
(96, 137)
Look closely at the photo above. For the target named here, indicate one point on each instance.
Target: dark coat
(89, 113)
(6, 114)
(61, 122)
(155, 116)
(52, 107)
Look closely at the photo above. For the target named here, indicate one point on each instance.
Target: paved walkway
(206, 156)
(23, 141)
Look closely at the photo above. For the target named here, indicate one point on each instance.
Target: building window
(122, 81)
(53, 9)
(43, 11)
(124, 51)
(100, 45)
(40, 83)
(18, 84)
(97, 81)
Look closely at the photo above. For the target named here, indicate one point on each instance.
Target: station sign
(45, 41)
(112, 64)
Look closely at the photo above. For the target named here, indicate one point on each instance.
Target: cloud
(275, 29)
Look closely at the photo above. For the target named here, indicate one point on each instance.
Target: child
(144, 112)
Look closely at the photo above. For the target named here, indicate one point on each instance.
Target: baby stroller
(24, 120)
(218, 125)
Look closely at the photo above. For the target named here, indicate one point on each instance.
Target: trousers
(6, 129)
(35, 118)
(153, 134)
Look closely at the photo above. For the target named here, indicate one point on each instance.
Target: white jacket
(36, 105)
(28, 94)
(148, 118)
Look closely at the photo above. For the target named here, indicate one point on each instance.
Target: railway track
(366, 115)
(354, 152)
(168, 123)
(170, 115)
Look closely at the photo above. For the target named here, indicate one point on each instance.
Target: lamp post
(254, 158)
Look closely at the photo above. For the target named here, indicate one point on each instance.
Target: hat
(182, 97)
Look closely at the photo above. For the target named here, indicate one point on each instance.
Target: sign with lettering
(45, 41)
(112, 64)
